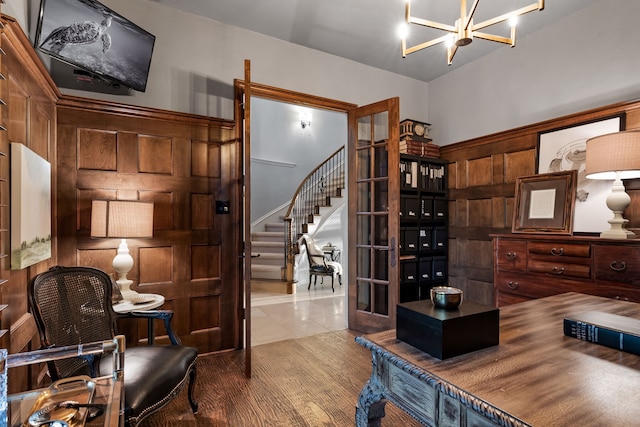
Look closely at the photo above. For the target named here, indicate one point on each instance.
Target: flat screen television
(88, 35)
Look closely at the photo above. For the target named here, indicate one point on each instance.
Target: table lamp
(122, 219)
(615, 156)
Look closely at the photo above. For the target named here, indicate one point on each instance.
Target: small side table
(331, 253)
(154, 301)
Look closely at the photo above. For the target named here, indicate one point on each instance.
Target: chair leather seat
(144, 394)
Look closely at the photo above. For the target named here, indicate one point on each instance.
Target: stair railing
(316, 190)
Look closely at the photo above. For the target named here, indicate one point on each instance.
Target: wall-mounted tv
(88, 35)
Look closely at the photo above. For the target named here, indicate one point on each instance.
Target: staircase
(273, 250)
(267, 250)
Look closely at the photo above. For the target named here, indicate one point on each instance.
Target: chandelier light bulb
(403, 31)
(513, 21)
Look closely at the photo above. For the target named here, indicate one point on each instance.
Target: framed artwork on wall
(564, 149)
(544, 203)
(30, 207)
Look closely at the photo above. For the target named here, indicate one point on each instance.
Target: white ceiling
(365, 31)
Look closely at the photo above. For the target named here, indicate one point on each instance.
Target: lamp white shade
(121, 218)
(611, 153)
(615, 156)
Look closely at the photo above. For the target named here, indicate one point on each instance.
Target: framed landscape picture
(30, 207)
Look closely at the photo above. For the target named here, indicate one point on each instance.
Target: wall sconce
(615, 156)
(305, 119)
(122, 219)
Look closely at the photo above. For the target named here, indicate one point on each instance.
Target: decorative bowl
(446, 297)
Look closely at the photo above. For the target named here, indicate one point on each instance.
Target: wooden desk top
(536, 373)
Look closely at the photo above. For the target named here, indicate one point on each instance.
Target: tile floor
(278, 317)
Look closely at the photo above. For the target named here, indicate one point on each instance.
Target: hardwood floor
(310, 381)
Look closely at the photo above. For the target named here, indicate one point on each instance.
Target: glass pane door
(373, 216)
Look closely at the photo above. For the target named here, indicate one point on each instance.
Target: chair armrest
(150, 315)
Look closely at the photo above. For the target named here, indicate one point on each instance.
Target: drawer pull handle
(513, 285)
(557, 252)
(557, 270)
(512, 255)
(618, 267)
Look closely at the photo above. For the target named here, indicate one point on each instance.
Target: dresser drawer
(618, 263)
(526, 286)
(560, 268)
(511, 255)
(581, 250)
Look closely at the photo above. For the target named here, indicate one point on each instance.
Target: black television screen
(90, 36)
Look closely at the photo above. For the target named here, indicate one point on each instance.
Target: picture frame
(544, 203)
(30, 207)
(564, 149)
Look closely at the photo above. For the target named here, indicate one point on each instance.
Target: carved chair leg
(309, 287)
(190, 389)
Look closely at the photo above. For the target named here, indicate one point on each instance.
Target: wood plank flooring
(310, 381)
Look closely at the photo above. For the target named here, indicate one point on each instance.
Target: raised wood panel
(498, 208)
(97, 149)
(205, 313)
(19, 102)
(155, 265)
(202, 211)
(520, 163)
(206, 159)
(205, 262)
(155, 154)
(480, 213)
(479, 172)
(163, 204)
(98, 258)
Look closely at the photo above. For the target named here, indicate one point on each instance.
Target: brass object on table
(65, 401)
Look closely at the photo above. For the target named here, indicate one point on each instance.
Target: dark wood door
(374, 190)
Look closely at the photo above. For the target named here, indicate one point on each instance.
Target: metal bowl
(446, 297)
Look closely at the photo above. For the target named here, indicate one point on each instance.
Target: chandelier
(464, 30)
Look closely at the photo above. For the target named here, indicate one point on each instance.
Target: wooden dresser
(534, 266)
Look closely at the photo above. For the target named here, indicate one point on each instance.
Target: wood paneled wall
(108, 151)
(482, 175)
(29, 117)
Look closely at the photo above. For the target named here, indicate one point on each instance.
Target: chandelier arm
(491, 37)
(424, 45)
(431, 24)
(507, 16)
(468, 17)
(451, 51)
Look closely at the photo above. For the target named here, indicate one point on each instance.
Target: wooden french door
(374, 188)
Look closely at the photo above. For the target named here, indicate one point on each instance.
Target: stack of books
(419, 148)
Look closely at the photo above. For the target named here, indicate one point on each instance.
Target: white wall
(587, 60)
(196, 60)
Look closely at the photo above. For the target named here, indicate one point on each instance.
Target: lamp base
(618, 200)
(128, 294)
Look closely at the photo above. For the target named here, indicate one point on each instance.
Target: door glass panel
(382, 230)
(364, 262)
(364, 131)
(381, 299)
(381, 126)
(364, 296)
(381, 191)
(364, 230)
(381, 265)
(381, 161)
(364, 164)
(364, 196)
